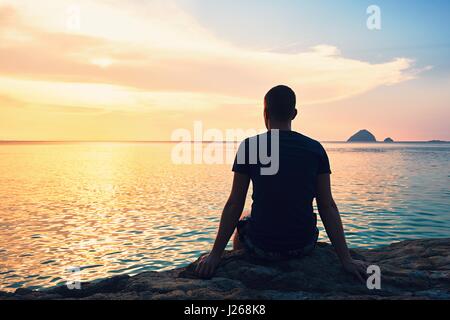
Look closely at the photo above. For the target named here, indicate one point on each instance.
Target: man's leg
(237, 244)
(241, 227)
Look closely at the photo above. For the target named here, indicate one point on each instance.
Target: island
(362, 136)
(388, 140)
(412, 269)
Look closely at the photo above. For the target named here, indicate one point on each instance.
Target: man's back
(283, 223)
(282, 216)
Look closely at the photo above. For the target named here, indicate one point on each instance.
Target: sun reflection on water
(125, 208)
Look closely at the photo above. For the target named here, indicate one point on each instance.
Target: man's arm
(331, 219)
(230, 217)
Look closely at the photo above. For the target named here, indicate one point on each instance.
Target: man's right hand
(207, 265)
(357, 268)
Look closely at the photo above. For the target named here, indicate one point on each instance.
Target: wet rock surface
(418, 269)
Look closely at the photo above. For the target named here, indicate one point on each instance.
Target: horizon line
(195, 141)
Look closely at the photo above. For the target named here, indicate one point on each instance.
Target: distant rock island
(362, 136)
(388, 140)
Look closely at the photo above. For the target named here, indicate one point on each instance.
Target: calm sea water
(126, 208)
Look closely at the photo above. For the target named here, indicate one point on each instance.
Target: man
(282, 223)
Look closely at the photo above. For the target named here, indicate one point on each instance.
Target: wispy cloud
(157, 56)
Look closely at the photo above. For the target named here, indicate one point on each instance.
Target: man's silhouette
(282, 223)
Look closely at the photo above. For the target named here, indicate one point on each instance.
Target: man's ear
(266, 117)
(295, 114)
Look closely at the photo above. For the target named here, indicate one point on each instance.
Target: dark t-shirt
(282, 216)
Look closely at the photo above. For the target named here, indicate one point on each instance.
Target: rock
(23, 291)
(388, 140)
(415, 269)
(362, 136)
(110, 285)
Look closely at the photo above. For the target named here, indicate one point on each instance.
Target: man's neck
(281, 126)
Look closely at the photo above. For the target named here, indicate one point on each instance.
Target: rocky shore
(418, 269)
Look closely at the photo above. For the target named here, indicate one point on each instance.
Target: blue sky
(416, 29)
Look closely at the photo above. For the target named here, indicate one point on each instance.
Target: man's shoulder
(309, 142)
(256, 137)
(296, 137)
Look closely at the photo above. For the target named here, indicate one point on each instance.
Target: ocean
(114, 208)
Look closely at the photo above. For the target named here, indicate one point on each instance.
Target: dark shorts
(244, 238)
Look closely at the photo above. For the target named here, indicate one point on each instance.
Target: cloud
(154, 55)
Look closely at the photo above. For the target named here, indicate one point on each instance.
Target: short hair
(280, 103)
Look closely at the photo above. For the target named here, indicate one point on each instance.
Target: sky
(140, 69)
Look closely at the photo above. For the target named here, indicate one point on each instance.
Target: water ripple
(124, 208)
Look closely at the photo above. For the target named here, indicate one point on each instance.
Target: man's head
(279, 106)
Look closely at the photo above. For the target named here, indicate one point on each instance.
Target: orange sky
(128, 74)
